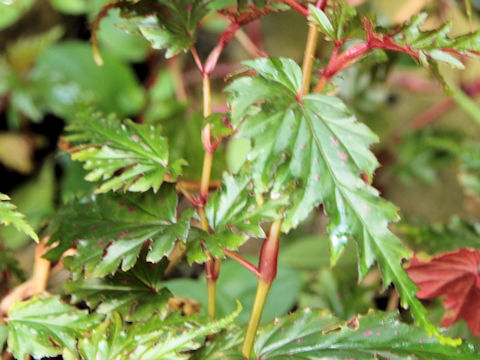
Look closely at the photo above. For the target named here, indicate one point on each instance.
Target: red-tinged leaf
(454, 275)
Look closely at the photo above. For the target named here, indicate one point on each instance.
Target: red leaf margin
(455, 275)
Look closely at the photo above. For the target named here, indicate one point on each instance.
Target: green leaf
(467, 154)
(9, 216)
(188, 336)
(3, 335)
(234, 215)
(465, 102)
(112, 229)
(35, 198)
(108, 341)
(45, 327)
(309, 334)
(108, 147)
(169, 338)
(173, 28)
(136, 294)
(317, 147)
(236, 283)
(338, 23)
(437, 238)
(111, 88)
(417, 157)
(436, 44)
(322, 21)
(219, 125)
(10, 263)
(225, 345)
(129, 47)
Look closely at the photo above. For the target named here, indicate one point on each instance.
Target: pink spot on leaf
(342, 155)
(131, 209)
(334, 141)
(367, 333)
(125, 233)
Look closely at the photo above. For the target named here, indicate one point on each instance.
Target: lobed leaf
(46, 327)
(456, 276)
(169, 338)
(123, 155)
(309, 334)
(341, 23)
(9, 216)
(136, 294)
(234, 215)
(314, 147)
(440, 237)
(110, 230)
(166, 24)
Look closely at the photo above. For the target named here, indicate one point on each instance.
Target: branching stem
(242, 261)
(267, 268)
(267, 265)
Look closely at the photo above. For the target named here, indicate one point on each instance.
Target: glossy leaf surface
(309, 334)
(234, 215)
(316, 147)
(111, 230)
(46, 327)
(167, 338)
(136, 294)
(123, 155)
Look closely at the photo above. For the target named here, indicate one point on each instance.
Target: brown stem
(35, 285)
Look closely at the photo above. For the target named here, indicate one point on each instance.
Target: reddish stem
(198, 62)
(242, 261)
(224, 39)
(295, 5)
(267, 264)
(321, 4)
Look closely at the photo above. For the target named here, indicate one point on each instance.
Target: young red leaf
(454, 275)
